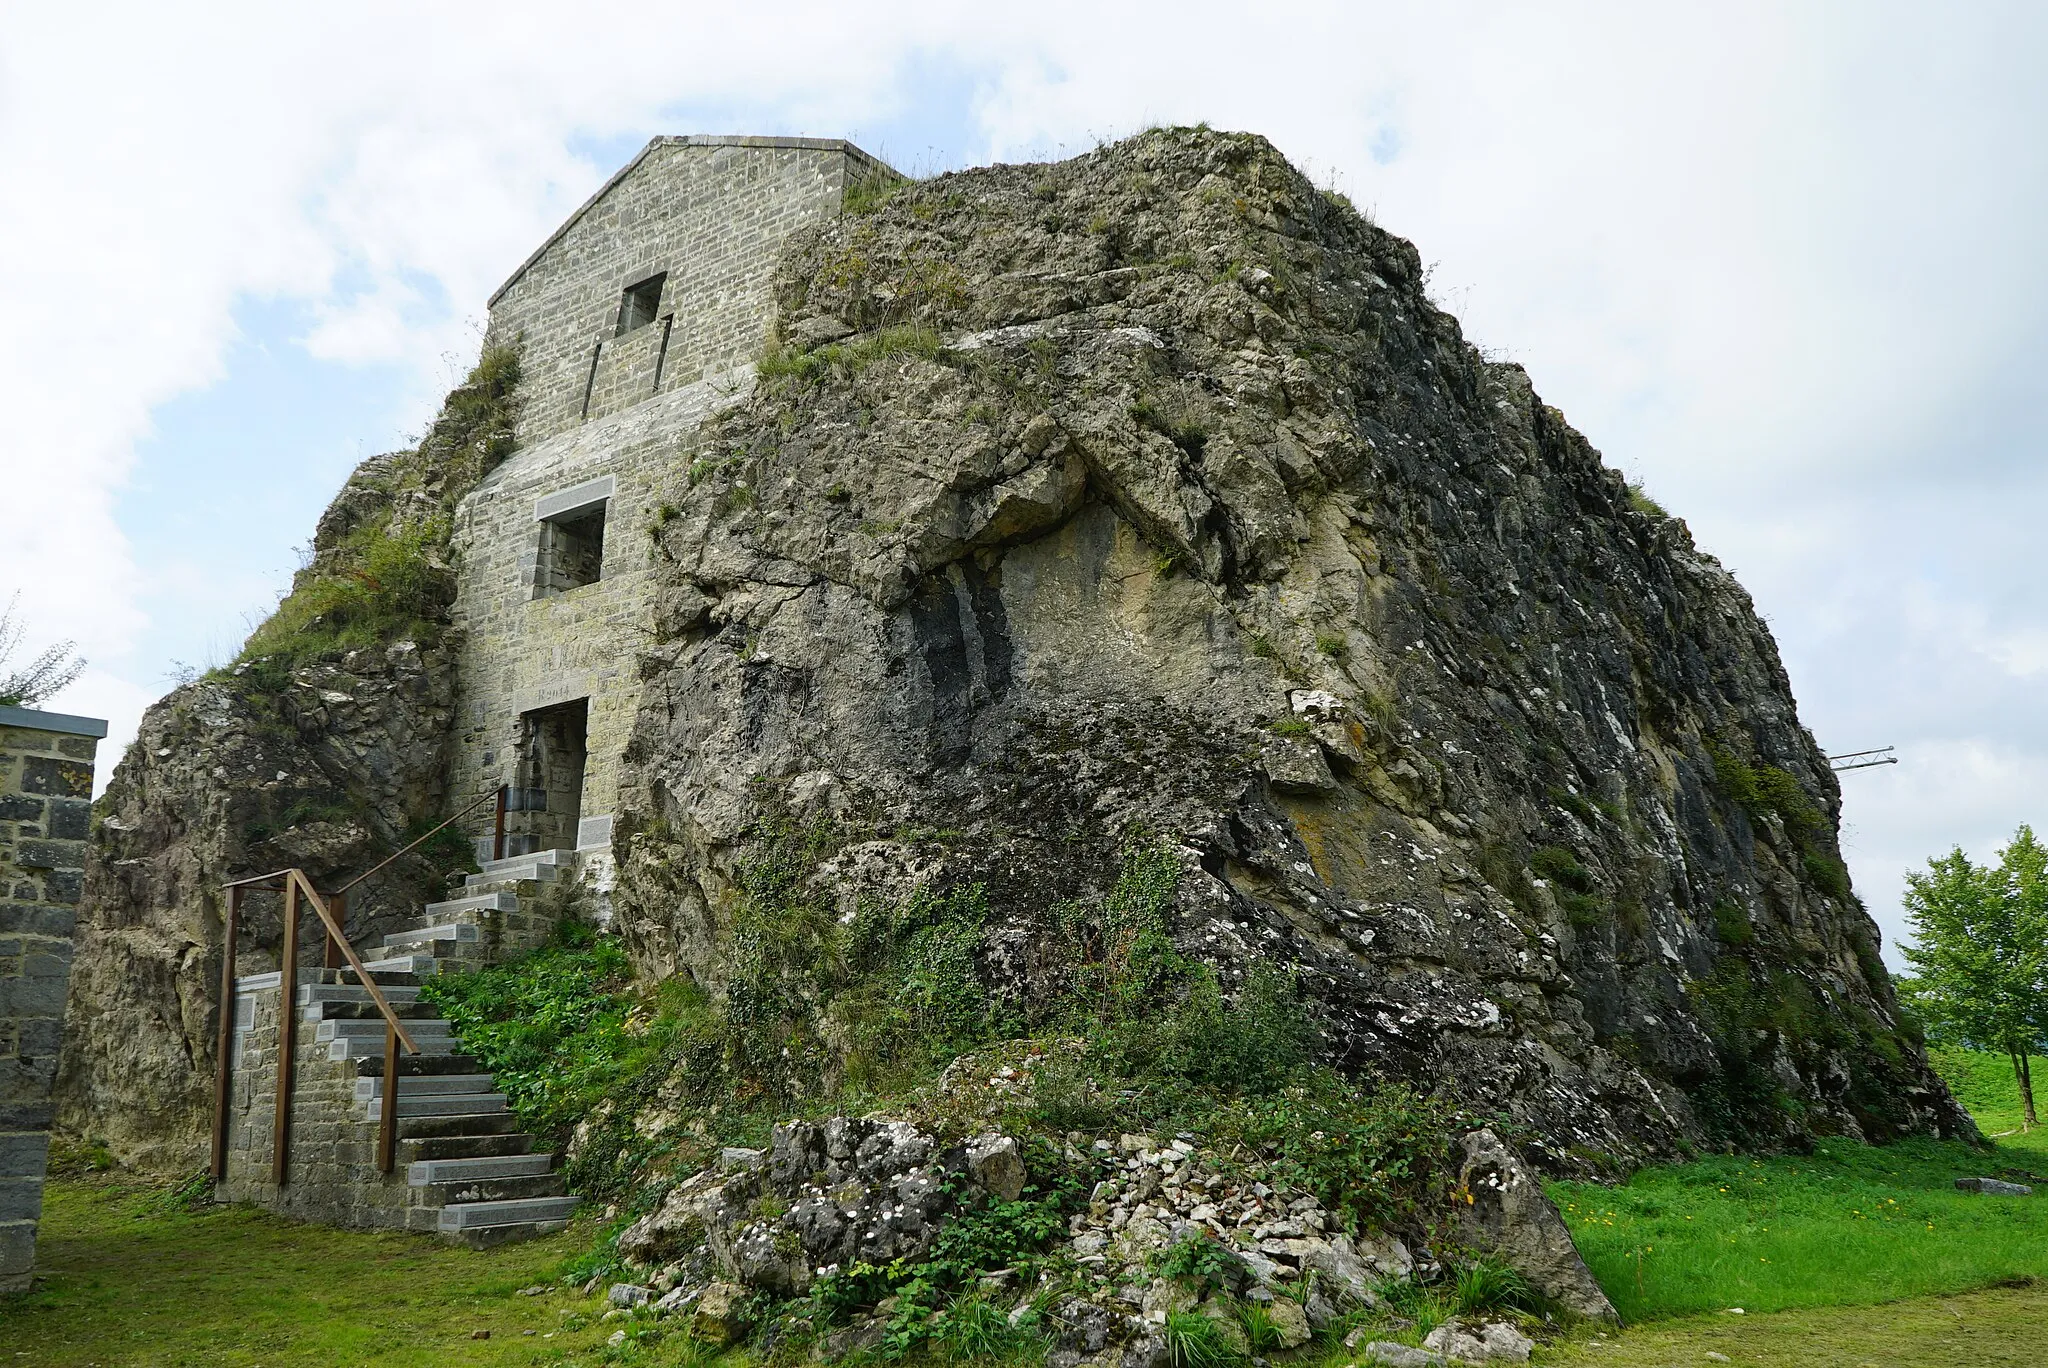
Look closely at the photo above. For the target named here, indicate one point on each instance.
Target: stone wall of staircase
(463, 1168)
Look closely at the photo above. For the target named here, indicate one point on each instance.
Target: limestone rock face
(1150, 493)
(227, 779)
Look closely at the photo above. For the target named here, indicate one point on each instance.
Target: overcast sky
(1784, 263)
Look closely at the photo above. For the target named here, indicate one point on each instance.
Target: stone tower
(641, 314)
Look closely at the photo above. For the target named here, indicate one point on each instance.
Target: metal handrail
(497, 793)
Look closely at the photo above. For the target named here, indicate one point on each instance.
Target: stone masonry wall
(332, 1172)
(714, 214)
(521, 653)
(46, 762)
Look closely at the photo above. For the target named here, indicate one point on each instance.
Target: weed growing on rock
(1572, 884)
(784, 365)
(1766, 790)
(382, 571)
(1194, 1340)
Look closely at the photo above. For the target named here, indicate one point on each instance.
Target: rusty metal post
(331, 948)
(223, 1064)
(387, 1113)
(287, 1034)
(498, 839)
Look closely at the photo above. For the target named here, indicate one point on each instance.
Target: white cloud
(1779, 261)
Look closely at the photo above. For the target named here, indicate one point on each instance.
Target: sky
(1780, 262)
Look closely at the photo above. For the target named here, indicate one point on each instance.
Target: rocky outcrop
(1149, 492)
(225, 780)
(312, 751)
(1507, 1214)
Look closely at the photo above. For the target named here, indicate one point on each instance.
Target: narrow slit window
(640, 304)
(572, 550)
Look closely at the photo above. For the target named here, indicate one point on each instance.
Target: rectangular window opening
(640, 303)
(571, 550)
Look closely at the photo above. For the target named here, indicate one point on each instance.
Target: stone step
(511, 881)
(532, 1210)
(366, 1010)
(491, 1237)
(425, 935)
(473, 1170)
(425, 1086)
(387, 978)
(443, 1104)
(413, 967)
(420, 1066)
(475, 904)
(355, 992)
(539, 859)
(345, 1028)
(497, 1125)
(510, 1189)
(440, 1148)
(372, 1046)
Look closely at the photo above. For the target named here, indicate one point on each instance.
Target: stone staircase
(464, 1169)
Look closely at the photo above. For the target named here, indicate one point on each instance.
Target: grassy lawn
(1847, 1224)
(1851, 1256)
(134, 1279)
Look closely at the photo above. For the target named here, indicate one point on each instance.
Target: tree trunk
(2023, 1074)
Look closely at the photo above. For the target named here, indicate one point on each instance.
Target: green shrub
(1184, 431)
(1373, 1156)
(1731, 923)
(1261, 1333)
(382, 585)
(865, 194)
(551, 1026)
(851, 357)
(1766, 789)
(1489, 1285)
(390, 577)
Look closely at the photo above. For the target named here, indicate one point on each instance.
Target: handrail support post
(224, 1045)
(387, 1112)
(287, 1035)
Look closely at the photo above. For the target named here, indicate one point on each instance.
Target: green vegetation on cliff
(380, 569)
(826, 1014)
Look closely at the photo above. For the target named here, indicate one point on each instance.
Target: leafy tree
(41, 677)
(1982, 953)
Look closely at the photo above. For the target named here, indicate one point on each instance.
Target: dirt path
(1998, 1328)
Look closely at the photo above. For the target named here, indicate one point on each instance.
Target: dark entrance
(547, 788)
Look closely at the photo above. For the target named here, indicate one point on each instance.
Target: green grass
(126, 1277)
(1848, 1224)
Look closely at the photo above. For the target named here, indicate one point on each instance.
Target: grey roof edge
(684, 140)
(35, 719)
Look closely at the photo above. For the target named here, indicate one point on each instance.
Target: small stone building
(46, 762)
(641, 315)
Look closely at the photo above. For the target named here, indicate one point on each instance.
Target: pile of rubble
(827, 1197)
